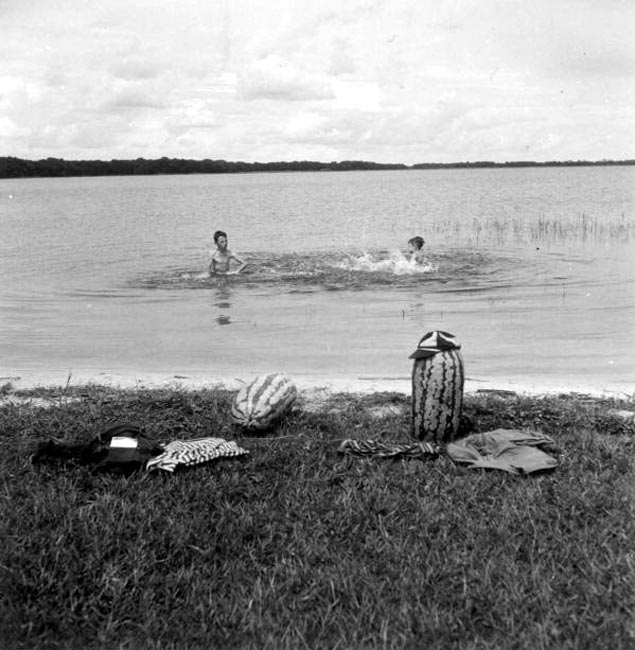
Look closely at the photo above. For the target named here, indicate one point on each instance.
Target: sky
(391, 81)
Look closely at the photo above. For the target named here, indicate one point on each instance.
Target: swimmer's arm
(240, 262)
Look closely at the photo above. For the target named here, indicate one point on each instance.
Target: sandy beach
(319, 383)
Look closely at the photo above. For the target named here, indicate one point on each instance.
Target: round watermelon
(263, 401)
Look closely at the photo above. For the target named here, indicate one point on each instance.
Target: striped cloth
(423, 450)
(194, 452)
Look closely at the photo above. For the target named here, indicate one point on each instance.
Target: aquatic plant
(503, 229)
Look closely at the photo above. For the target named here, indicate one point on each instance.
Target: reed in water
(500, 230)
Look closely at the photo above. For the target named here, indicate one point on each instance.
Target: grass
(296, 546)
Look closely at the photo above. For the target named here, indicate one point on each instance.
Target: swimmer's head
(218, 234)
(416, 243)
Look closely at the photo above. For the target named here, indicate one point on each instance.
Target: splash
(395, 262)
(188, 275)
(314, 271)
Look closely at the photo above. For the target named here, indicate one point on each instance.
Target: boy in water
(415, 249)
(222, 257)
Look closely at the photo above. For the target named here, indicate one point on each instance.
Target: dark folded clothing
(510, 450)
(119, 448)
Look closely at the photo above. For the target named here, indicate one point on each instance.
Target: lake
(103, 279)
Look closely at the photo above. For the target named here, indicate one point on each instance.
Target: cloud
(354, 95)
(225, 82)
(600, 63)
(275, 78)
(135, 68)
(341, 60)
(135, 96)
(315, 128)
(247, 79)
(16, 92)
(193, 115)
(9, 129)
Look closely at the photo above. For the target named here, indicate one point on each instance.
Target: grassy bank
(296, 546)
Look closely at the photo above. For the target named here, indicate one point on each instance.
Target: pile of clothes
(510, 450)
(124, 448)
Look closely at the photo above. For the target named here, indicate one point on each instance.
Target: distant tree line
(16, 167)
(522, 163)
(11, 167)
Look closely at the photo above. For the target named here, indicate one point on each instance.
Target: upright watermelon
(437, 388)
(263, 401)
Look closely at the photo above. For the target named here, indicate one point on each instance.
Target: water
(532, 269)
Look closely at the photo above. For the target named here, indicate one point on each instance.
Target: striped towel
(423, 450)
(194, 452)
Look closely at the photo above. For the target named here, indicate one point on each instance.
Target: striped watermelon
(259, 404)
(437, 388)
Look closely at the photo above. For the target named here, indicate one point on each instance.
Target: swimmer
(415, 250)
(222, 257)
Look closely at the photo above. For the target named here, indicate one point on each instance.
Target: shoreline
(26, 381)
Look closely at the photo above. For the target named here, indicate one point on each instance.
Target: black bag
(121, 448)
